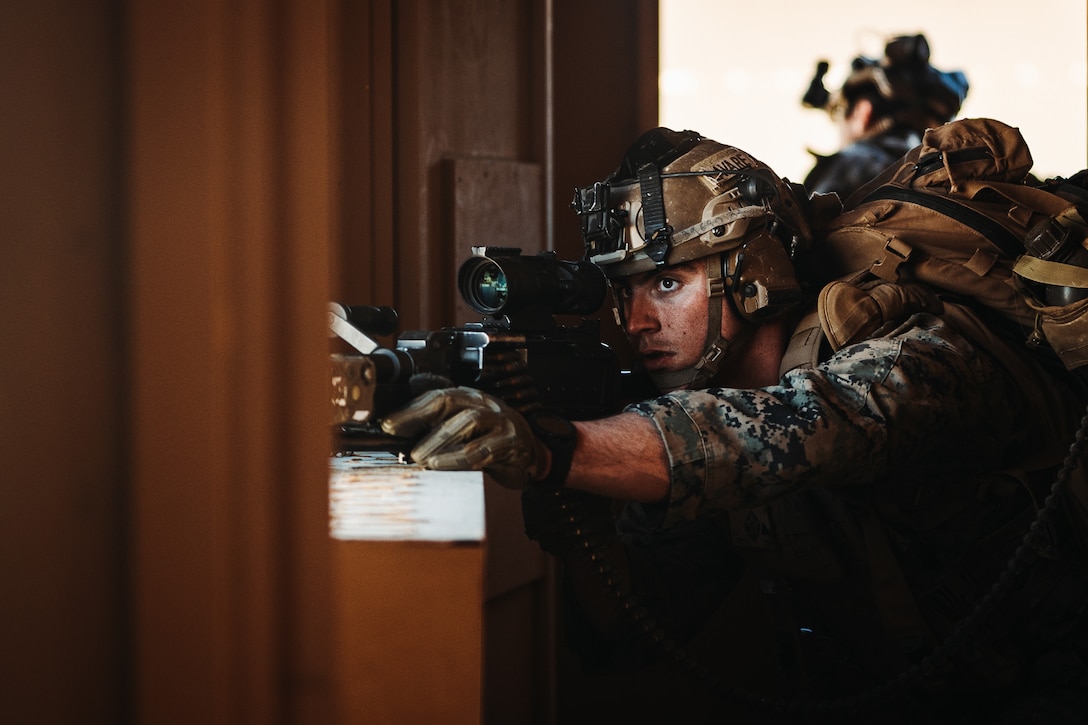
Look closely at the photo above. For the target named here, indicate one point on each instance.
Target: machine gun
(518, 352)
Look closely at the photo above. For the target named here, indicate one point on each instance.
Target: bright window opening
(736, 72)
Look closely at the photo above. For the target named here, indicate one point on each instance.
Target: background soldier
(882, 111)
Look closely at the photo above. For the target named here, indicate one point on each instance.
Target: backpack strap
(1049, 272)
(803, 348)
(999, 235)
(849, 311)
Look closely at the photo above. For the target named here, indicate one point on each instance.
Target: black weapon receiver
(519, 352)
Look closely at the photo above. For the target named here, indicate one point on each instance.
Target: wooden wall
(552, 90)
(63, 483)
(184, 187)
(229, 218)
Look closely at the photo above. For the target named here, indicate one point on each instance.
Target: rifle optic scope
(499, 280)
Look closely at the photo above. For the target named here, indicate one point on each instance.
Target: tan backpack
(948, 221)
(943, 230)
(958, 227)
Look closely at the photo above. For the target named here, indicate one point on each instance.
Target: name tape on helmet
(728, 161)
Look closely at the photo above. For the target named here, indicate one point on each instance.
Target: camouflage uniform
(899, 444)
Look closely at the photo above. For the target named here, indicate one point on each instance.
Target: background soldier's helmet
(678, 196)
(902, 85)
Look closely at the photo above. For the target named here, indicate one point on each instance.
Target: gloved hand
(470, 430)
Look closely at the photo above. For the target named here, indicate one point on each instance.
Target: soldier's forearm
(621, 457)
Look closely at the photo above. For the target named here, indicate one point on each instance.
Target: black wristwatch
(560, 436)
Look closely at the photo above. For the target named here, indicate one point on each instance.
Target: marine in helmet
(731, 223)
(882, 110)
(865, 488)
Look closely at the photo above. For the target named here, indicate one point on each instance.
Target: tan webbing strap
(1054, 273)
(803, 349)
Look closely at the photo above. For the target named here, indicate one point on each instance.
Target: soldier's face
(666, 315)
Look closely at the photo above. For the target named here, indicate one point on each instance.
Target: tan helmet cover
(717, 199)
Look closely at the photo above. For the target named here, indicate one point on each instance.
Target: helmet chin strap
(717, 347)
(697, 376)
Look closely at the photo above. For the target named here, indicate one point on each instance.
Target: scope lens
(491, 287)
(515, 285)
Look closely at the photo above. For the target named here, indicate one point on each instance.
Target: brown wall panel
(62, 473)
(463, 91)
(184, 189)
(605, 96)
(364, 112)
(229, 208)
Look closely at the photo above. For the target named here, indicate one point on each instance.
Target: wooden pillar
(229, 208)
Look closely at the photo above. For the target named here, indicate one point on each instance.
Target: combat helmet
(905, 89)
(678, 196)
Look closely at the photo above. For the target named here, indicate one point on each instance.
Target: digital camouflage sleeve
(921, 398)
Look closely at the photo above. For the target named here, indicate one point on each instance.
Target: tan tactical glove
(470, 430)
